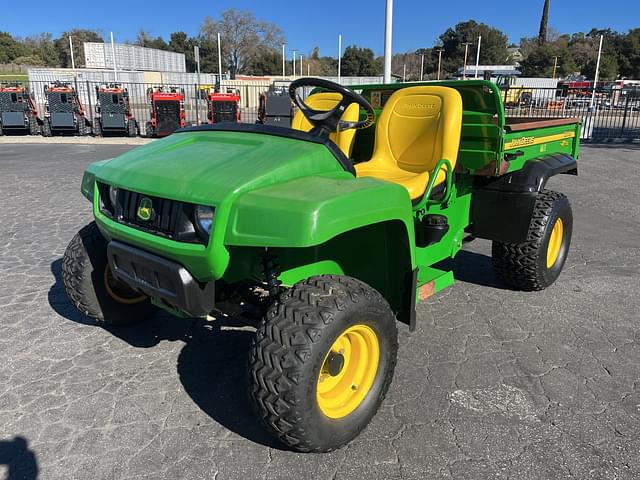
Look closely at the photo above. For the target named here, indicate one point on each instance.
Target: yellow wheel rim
(120, 294)
(340, 392)
(555, 242)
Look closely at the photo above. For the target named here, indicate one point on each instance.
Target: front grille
(169, 218)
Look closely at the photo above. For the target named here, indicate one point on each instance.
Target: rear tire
(292, 348)
(46, 128)
(132, 128)
(33, 125)
(536, 263)
(149, 130)
(91, 288)
(97, 127)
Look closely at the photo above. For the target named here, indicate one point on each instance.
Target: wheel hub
(348, 371)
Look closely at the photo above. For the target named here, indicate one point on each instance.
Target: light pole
(388, 32)
(440, 50)
(339, 57)
(595, 80)
(113, 55)
(422, 65)
(284, 73)
(466, 52)
(219, 59)
(404, 72)
(73, 62)
(555, 66)
(301, 60)
(478, 56)
(294, 62)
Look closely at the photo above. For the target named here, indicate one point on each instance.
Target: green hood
(207, 166)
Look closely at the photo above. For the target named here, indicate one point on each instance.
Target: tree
(244, 38)
(79, 36)
(267, 62)
(42, 50)
(544, 23)
(181, 43)
(10, 48)
(358, 61)
(493, 50)
(144, 39)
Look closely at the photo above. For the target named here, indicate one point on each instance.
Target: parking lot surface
(493, 384)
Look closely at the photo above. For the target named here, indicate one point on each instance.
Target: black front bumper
(161, 279)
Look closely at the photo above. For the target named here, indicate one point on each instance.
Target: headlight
(113, 196)
(204, 218)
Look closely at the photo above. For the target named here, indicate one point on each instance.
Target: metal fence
(607, 115)
(195, 103)
(612, 114)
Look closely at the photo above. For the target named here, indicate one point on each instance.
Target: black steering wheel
(328, 121)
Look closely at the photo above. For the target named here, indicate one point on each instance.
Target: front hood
(207, 166)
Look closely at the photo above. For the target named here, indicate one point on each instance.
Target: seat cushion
(415, 183)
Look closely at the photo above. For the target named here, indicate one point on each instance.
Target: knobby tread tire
(282, 354)
(522, 266)
(83, 267)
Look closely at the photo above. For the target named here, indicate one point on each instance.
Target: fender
(501, 210)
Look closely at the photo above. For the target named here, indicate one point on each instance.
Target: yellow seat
(327, 101)
(418, 127)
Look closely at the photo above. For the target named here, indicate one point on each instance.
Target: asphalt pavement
(493, 383)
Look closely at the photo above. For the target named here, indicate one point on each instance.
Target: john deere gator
(325, 235)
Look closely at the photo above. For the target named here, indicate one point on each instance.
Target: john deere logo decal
(145, 209)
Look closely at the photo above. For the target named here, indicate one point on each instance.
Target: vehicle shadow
(472, 267)
(19, 459)
(212, 365)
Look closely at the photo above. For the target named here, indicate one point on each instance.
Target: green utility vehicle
(324, 235)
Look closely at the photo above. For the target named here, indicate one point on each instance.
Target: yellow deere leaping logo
(145, 209)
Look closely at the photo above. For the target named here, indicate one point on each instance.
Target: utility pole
(196, 56)
(308, 69)
(595, 80)
(339, 57)
(294, 62)
(466, 52)
(388, 33)
(440, 50)
(404, 72)
(478, 55)
(73, 62)
(113, 54)
(555, 66)
(283, 62)
(422, 66)
(301, 60)
(219, 59)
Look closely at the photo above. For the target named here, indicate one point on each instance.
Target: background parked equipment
(223, 107)
(64, 112)
(275, 108)
(167, 110)
(17, 110)
(113, 113)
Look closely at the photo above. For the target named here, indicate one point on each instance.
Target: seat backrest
(418, 127)
(327, 101)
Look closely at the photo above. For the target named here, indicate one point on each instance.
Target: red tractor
(167, 111)
(223, 107)
(17, 110)
(64, 112)
(113, 112)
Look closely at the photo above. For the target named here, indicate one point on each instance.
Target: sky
(306, 24)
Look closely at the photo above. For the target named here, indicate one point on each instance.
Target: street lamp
(421, 65)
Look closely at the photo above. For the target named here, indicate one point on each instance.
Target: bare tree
(243, 37)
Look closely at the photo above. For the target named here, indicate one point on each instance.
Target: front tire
(322, 361)
(536, 263)
(92, 288)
